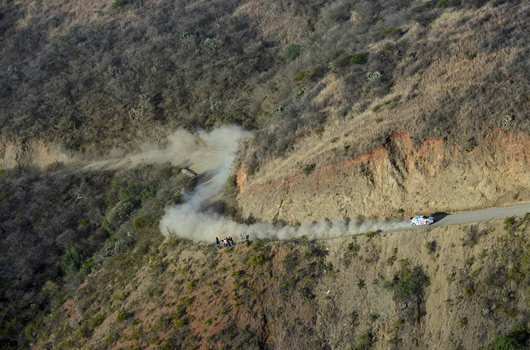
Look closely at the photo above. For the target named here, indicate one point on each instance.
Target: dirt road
(482, 215)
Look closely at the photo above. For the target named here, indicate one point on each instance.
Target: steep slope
(427, 288)
(433, 176)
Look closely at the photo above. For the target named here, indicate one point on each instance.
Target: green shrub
(231, 182)
(359, 58)
(354, 247)
(300, 92)
(391, 31)
(373, 75)
(442, 3)
(109, 340)
(300, 76)
(461, 322)
(509, 222)
(122, 316)
(138, 223)
(82, 222)
(341, 61)
(515, 340)
(118, 3)
(88, 265)
(181, 322)
(308, 169)
(73, 259)
(370, 234)
(317, 72)
(291, 52)
(256, 260)
(364, 341)
(96, 321)
(408, 282)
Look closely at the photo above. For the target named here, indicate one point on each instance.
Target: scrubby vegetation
(82, 261)
(58, 229)
(116, 283)
(126, 71)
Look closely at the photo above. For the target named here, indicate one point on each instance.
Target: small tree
(292, 52)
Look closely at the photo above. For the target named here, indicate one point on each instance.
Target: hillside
(396, 179)
(458, 287)
(82, 80)
(133, 132)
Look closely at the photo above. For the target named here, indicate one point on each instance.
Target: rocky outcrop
(399, 178)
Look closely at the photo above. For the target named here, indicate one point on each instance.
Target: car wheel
(413, 224)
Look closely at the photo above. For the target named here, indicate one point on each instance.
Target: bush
(118, 3)
(231, 182)
(515, 340)
(359, 58)
(442, 3)
(431, 247)
(138, 223)
(364, 341)
(509, 222)
(291, 52)
(341, 61)
(300, 76)
(373, 75)
(73, 259)
(317, 72)
(354, 247)
(461, 322)
(392, 31)
(122, 316)
(408, 283)
(256, 260)
(308, 169)
(96, 321)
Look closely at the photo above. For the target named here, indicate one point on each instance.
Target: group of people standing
(229, 241)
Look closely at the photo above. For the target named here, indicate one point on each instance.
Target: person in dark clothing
(217, 243)
(247, 239)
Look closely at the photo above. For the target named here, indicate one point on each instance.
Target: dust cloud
(212, 154)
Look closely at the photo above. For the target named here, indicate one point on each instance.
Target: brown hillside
(446, 287)
(432, 176)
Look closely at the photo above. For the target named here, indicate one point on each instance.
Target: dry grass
(438, 88)
(274, 23)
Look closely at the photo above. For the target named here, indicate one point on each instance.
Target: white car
(421, 220)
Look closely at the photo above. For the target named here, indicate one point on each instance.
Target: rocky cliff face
(426, 178)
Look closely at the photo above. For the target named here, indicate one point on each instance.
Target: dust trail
(205, 226)
(214, 153)
(202, 151)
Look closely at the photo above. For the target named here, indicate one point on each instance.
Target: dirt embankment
(31, 154)
(430, 177)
